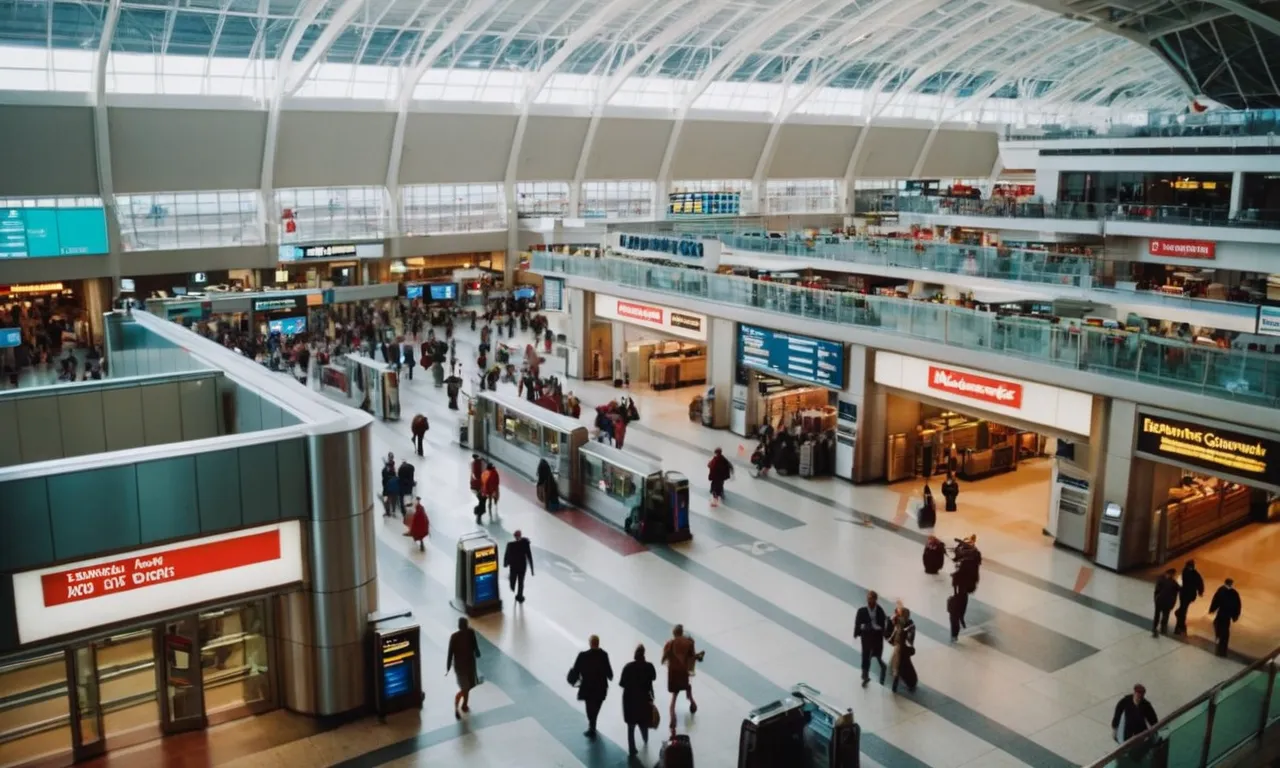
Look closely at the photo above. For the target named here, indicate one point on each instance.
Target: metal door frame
(80, 750)
(168, 725)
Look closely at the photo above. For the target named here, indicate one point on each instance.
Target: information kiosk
(395, 654)
(476, 584)
(801, 730)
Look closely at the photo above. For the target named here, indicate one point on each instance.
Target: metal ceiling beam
(1178, 26)
(1024, 66)
(576, 39)
(337, 24)
(456, 29)
(660, 42)
(1251, 15)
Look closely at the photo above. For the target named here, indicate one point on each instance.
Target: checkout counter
(521, 434)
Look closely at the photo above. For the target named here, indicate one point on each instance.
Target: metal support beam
(924, 152)
(102, 144)
(337, 24)
(583, 34)
(1251, 15)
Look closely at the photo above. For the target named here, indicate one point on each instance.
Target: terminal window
(617, 199)
(318, 214)
(430, 209)
(542, 198)
(173, 220)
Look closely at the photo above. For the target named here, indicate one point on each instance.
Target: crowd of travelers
(54, 338)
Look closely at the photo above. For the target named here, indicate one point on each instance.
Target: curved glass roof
(931, 59)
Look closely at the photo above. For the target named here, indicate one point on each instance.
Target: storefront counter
(1204, 510)
(986, 462)
(677, 371)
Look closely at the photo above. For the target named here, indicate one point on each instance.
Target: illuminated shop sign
(688, 325)
(10, 337)
(703, 253)
(71, 598)
(273, 305)
(1209, 447)
(1181, 249)
(973, 387)
(1269, 321)
(688, 248)
(31, 289)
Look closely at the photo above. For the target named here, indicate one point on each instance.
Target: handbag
(655, 716)
(572, 677)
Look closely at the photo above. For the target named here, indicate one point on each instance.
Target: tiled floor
(768, 588)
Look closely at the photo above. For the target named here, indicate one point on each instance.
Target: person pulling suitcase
(676, 752)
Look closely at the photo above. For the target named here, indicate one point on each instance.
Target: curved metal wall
(321, 628)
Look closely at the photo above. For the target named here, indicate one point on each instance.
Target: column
(321, 627)
(859, 384)
(578, 311)
(722, 360)
(1237, 193)
(97, 302)
(1114, 479)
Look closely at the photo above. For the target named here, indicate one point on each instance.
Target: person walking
(405, 476)
(477, 469)
(591, 672)
(950, 490)
(464, 649)
(1165, 597)
(1133, 715)
(390, 484)
(718, 471)
(638, 709)
(681, 657)
(869, 626)
(903, 640)
(488, 491)
(547, 489)
(517, 558)
(1192, 589)
(418, 428)
(1225, 608)
(957, 606)
(419, 525)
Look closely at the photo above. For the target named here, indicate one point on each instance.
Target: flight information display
(704, 203)
(40, 232)
(816, 361)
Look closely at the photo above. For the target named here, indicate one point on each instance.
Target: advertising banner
(816, 361)
(1208, 447)
(676, 322)
(1181, 249)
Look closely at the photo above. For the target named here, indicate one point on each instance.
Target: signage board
(798, 357)
(74, 597)
(276, 305)
(1210, 448)
(1032, 402)
(553, 294)
(396, 654)
(413, 292)
(1181, 249)
(704, 203)
(40, 232)
(484, 575)
(10, 337)
(677, 322)
(703, 253)
(1269, 321)
(443, 291)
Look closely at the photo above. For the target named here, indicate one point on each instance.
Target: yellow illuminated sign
(488, 566)
(1205, 446)
(486, 552)
(33, 288)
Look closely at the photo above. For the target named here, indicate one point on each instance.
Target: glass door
(87, 738)
(182, 702)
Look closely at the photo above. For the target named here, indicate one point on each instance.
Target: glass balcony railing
(974, 261)
(1244, 376)
(1161, 124)
(1212, 728)
(1134, 212)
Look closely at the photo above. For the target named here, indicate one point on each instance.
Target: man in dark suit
(1166, 597)
(405, 475)
(591, 673)
(1225, 608)
(518, 557)
(868, 626)
(1192, 588)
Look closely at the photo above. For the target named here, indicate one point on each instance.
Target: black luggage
(676, 753)
(926, 516)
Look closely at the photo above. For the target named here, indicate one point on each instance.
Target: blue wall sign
(10, 337)
(798, 357)
(553, 294)
(42, 232)
(674, 246)
(444, 291)
(1269, 321)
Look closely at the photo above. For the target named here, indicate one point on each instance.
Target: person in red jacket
(419, 525)
(489, 490)
(718, 471)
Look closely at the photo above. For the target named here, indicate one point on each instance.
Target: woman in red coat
(419, 525)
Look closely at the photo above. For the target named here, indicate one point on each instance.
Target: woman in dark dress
(547, 489)
(463, 652)
(950, 490)
(637, 698)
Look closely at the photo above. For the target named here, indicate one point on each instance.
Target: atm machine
(1110, 530)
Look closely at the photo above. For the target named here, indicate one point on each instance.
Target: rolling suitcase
(676, 753)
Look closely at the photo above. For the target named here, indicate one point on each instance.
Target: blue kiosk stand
(395, 654)
(476, 581)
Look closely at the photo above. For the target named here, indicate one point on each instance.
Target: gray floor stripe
(406, 747)
(740, 678)
(752, 508)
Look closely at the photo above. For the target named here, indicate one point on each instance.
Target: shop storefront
(126, 648)
(649, 344)
(1198, 479)
(790, 384)
(42, 308)
(326, 265)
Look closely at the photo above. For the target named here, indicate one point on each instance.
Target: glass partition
(521, 431)
(622, 485)
(1245, 376)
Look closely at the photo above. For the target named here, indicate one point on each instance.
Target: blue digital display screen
(444, 291)
(288, 326)
(523, 293)
(10, 337)
(397, 679)
(42, 232)
(798, 357)
(486, 587)
(552, 294)
(413, 292)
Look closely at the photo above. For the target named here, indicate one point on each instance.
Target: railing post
(1266, 698)
(1208, 728)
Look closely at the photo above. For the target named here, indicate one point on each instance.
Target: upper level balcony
(1161, 125)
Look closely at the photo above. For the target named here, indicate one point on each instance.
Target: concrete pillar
(722, 358)
(1114, 480)
(579, 306)
(1237, 193)
(860, 383)
(320, 628)
(97, 302)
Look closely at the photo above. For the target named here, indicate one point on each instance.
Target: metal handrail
(1143, 739)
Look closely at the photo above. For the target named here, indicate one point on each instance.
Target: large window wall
(542, 198)
(172, 220)
(617, 199)
(315, 214)
(432, 209)
(1205, 195)
(803, 195)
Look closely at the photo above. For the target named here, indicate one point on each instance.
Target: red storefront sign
(1181, 249)
(974, 387)
(641, 312)
(129, 573)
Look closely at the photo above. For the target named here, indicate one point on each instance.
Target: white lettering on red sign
(641, 312)
(975, 387)
(1181, 249)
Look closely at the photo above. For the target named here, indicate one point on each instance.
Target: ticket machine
(395, 651)
(476, 582)
(801, 730)
(1110, 531)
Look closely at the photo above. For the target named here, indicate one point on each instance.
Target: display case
(1201, 508)
(522, 434)
(614, 482)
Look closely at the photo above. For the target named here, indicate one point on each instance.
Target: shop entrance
(112, 692)
(800, 419)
